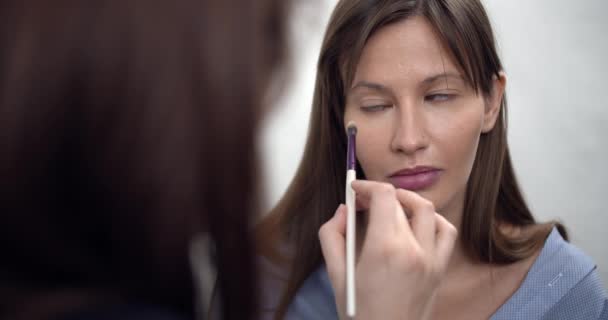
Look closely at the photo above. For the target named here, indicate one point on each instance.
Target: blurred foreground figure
(127, 128)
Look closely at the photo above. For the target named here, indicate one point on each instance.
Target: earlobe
(493, 102)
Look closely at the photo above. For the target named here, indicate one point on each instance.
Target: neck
(453, 212)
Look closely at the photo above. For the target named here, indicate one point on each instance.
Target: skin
(412, 108)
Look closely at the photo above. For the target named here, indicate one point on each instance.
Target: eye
(438, 97)
(375, 108)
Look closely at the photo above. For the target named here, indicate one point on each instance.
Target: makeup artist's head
(423, 81)
(127, 127)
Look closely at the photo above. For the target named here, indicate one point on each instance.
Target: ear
(493, 102)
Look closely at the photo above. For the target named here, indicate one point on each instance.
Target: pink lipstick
(416, 178)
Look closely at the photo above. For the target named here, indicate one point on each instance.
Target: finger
(385, 213)
(422, 217)
(332, 236)
(361, 202)
(446, 238)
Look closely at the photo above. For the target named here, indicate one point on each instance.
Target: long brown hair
(493, 196)
(127, 127)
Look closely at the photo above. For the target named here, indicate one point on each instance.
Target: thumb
(333, 245)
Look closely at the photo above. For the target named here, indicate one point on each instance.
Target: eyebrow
(371, 85)
(445, 75)
(378, 87)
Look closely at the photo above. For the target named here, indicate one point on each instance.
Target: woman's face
(419, 122)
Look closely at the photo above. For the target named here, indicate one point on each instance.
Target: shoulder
(561, 284)
(315, 299)
(583, 297)
(586, 300)
(561, 265)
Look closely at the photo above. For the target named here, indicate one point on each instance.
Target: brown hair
(318, 186)
(127, 127)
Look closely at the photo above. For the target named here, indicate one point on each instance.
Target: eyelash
(439, 97)
(375, 108)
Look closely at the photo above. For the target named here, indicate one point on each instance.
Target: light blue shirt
(561, 284)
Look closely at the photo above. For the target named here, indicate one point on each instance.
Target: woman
(127, 128)
(446, 233)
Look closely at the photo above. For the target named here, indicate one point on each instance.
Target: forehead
(407, 49)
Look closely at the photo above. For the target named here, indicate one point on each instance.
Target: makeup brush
(351, 175)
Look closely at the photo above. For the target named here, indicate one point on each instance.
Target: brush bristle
(351, 127)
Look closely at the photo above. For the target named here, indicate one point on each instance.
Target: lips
(414, 179)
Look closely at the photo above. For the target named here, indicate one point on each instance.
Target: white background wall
(555, 54)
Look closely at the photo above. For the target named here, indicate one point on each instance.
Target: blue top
(561, 284)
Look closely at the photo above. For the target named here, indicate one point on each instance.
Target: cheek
(459, 137)
(372, 150)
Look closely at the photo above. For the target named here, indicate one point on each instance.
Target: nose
(409, 133)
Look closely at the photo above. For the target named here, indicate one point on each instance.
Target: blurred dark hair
(127, 127)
